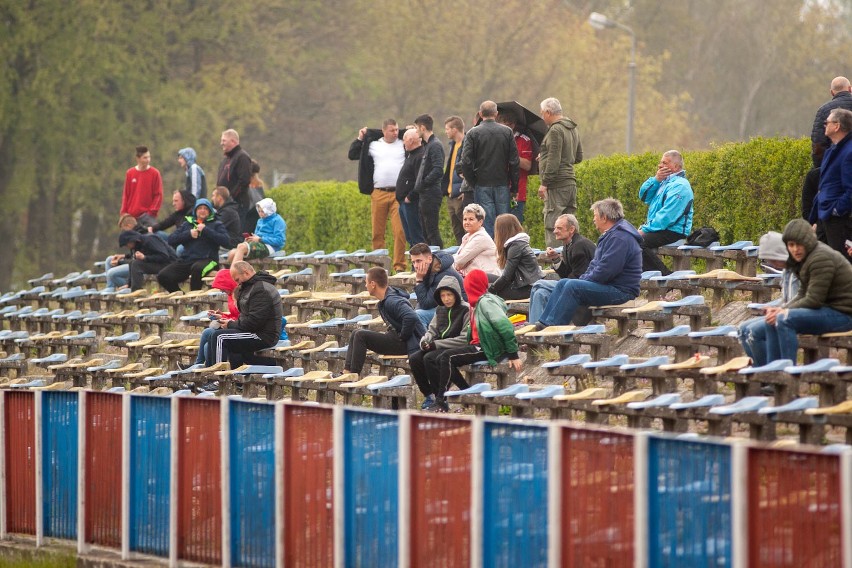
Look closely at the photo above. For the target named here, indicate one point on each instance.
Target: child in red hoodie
(225, 283)
(490, 335)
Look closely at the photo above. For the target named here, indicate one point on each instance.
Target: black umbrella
(526, 121)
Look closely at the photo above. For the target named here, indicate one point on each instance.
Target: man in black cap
(149, 255)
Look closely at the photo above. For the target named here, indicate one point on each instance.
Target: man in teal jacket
(669, 198)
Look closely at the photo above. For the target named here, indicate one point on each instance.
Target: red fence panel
(794, 509)
(597, 498)
(20, 462)
(440, 491)
(199, 480)
(308, 483)
(103, 468)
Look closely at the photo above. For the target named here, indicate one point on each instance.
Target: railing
(242, 483)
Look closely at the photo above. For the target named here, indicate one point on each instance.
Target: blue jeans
(425, 316)
(539, 295)
(409, 214)
(518, 211)
(752, 334)
(568, 295)
(116, 275)
(203, 349)
(495, 201)
(781, 339)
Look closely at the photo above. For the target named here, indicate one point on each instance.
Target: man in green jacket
(824, 301)
(560, 150)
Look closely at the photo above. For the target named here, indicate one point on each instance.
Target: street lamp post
(600, 22)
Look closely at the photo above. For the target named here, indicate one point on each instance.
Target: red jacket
(143, 192)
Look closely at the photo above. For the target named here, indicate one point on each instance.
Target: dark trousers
(172, 275)
(138, 270)
(382, 343)
(426, 370)
(449, 362)
(430, 211)
(650, 244)
(237, 346)
(837, 230)
(512, 293)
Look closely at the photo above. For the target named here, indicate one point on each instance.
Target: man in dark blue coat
(833, 203)
(404, 327)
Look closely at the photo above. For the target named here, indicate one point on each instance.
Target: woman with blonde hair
(477, 249)
(516, 258)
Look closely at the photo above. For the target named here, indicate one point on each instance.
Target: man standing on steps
(380, 155)
(235, 171)
(427, 186)
(560, 150)
(143, 189)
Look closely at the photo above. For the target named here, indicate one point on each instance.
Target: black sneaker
(210, 387)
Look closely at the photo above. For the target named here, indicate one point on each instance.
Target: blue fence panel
(252, 470)
(150, 466)
(59, 455)
(371, 489)
(689, 503)
(514, 485)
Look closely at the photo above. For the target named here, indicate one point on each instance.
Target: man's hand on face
(663, 172)
(421, 268)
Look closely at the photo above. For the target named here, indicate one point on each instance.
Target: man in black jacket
(429, 270)
(149, 255)
(404, 327)
(259, 324)
(228, 213)
(577, 253)
(490, 164)
(428, 184)
(841, 97)
(235, 171)
(380, 156)
(409, 205)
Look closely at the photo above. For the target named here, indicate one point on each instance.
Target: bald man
(841, 97)
(259, 324)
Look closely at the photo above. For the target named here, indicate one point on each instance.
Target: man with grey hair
(235, 171)
(833, 203)
(613, 275)
(490, 164)
(669, 198)
(841, 97)
(560, 150)
(572, 262)
(409, 205)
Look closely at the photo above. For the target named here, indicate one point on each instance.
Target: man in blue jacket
(612, 276)
(669, 198)
(404, 327)
(833, 204)
(429, 270)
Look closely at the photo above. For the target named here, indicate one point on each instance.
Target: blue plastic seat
(292, 372)
(129, 336)
(677, 331)
(694, 300)
(703, 402)
(114, 364)
(260, 370)
(614, 361)
(649, 274)
(397, 381)
(772, 367)
(798, 405)
(739, 245)
(659, 402)
(577, 359)
(816, 367)
(547, 392)
(747, 404)
(116, 389)
(31, 384)
(713, 332)
(508, 391)
(478, 388)
(650, 363)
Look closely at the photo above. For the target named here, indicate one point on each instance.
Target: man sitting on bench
(404, 326)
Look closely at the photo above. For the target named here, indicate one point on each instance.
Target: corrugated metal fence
(242, 483)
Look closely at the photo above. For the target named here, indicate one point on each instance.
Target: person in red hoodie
(490, 335)
(143, 189)
(226, 284)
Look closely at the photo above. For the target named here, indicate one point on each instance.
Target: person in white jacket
(477, 249)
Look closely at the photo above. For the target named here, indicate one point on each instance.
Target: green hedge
(741, 189)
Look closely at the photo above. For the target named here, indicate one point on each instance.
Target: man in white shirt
(382, 156)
